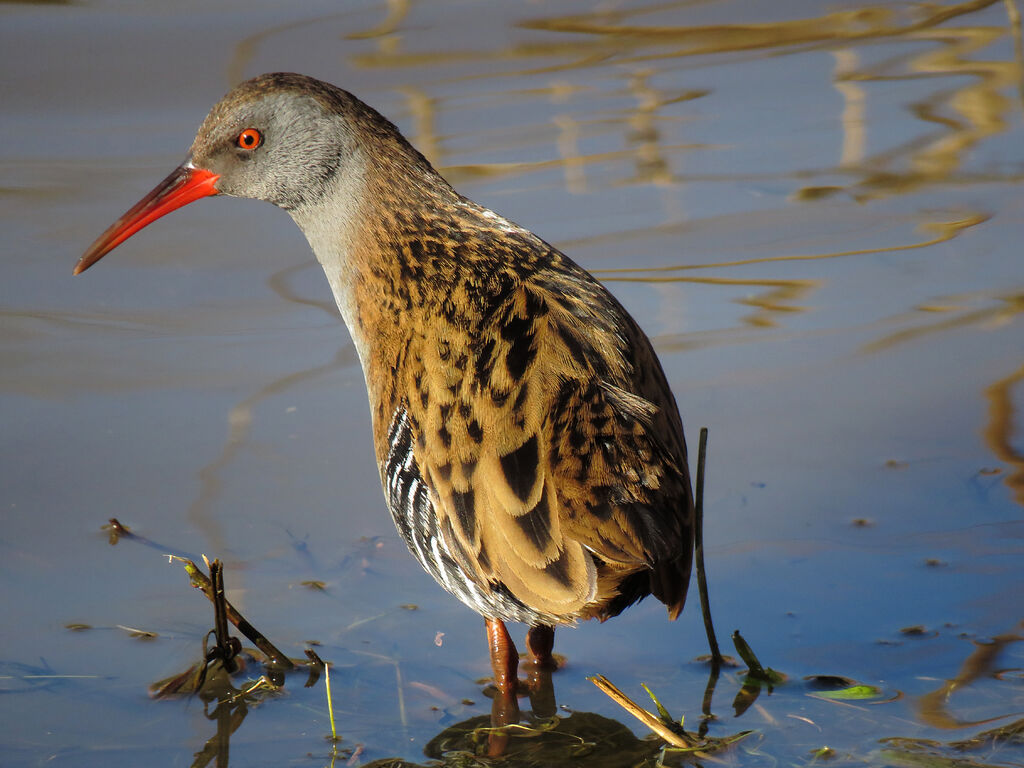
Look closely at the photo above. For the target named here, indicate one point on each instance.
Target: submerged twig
(201, 582)
(226, 647)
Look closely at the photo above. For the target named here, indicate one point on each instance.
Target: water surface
(813, 209)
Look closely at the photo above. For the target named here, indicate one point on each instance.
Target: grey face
(287, 139)
(282, 147)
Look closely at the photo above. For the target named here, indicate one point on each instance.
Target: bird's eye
(250, 138)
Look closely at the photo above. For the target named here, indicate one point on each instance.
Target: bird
(530, 449)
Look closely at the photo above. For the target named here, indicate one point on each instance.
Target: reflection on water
(934, 707)
(239, 422)
(815, 211)
(1004, 424)
(543, 735)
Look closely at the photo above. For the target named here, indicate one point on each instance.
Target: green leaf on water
(853, 693)
(754, 669)
(662, 712)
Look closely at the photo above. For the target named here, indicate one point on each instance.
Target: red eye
(250, 138)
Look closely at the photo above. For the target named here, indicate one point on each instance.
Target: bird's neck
(394, 249)
(332, 227)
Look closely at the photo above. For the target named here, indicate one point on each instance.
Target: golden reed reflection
(608, 35)
(1000, 430)
(944, 230)
(397, 11)
(979, 665)
(780, 295)
(1003, 311)
(959, 119)
(852, 24)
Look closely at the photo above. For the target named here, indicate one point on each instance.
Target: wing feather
(547, 463)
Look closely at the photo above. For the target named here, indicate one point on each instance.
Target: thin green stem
(330, 704)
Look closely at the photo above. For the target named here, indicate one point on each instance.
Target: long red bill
(183, 186)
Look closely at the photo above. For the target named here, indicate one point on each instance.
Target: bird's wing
(536, 449)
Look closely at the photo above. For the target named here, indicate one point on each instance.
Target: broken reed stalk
(654, 723)
(200, 581)
(698, 535)
(220, 617)
(227, 647)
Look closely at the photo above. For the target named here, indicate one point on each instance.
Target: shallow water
(813, 209)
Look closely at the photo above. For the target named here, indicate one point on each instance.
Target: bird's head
(283, 138)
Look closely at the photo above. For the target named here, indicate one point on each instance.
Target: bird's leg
(540, 639)
(505, 663)
(504, 656)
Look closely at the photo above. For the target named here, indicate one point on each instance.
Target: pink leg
(504, 656)
(505, 663)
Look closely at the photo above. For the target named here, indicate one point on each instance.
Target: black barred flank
(438, 551)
